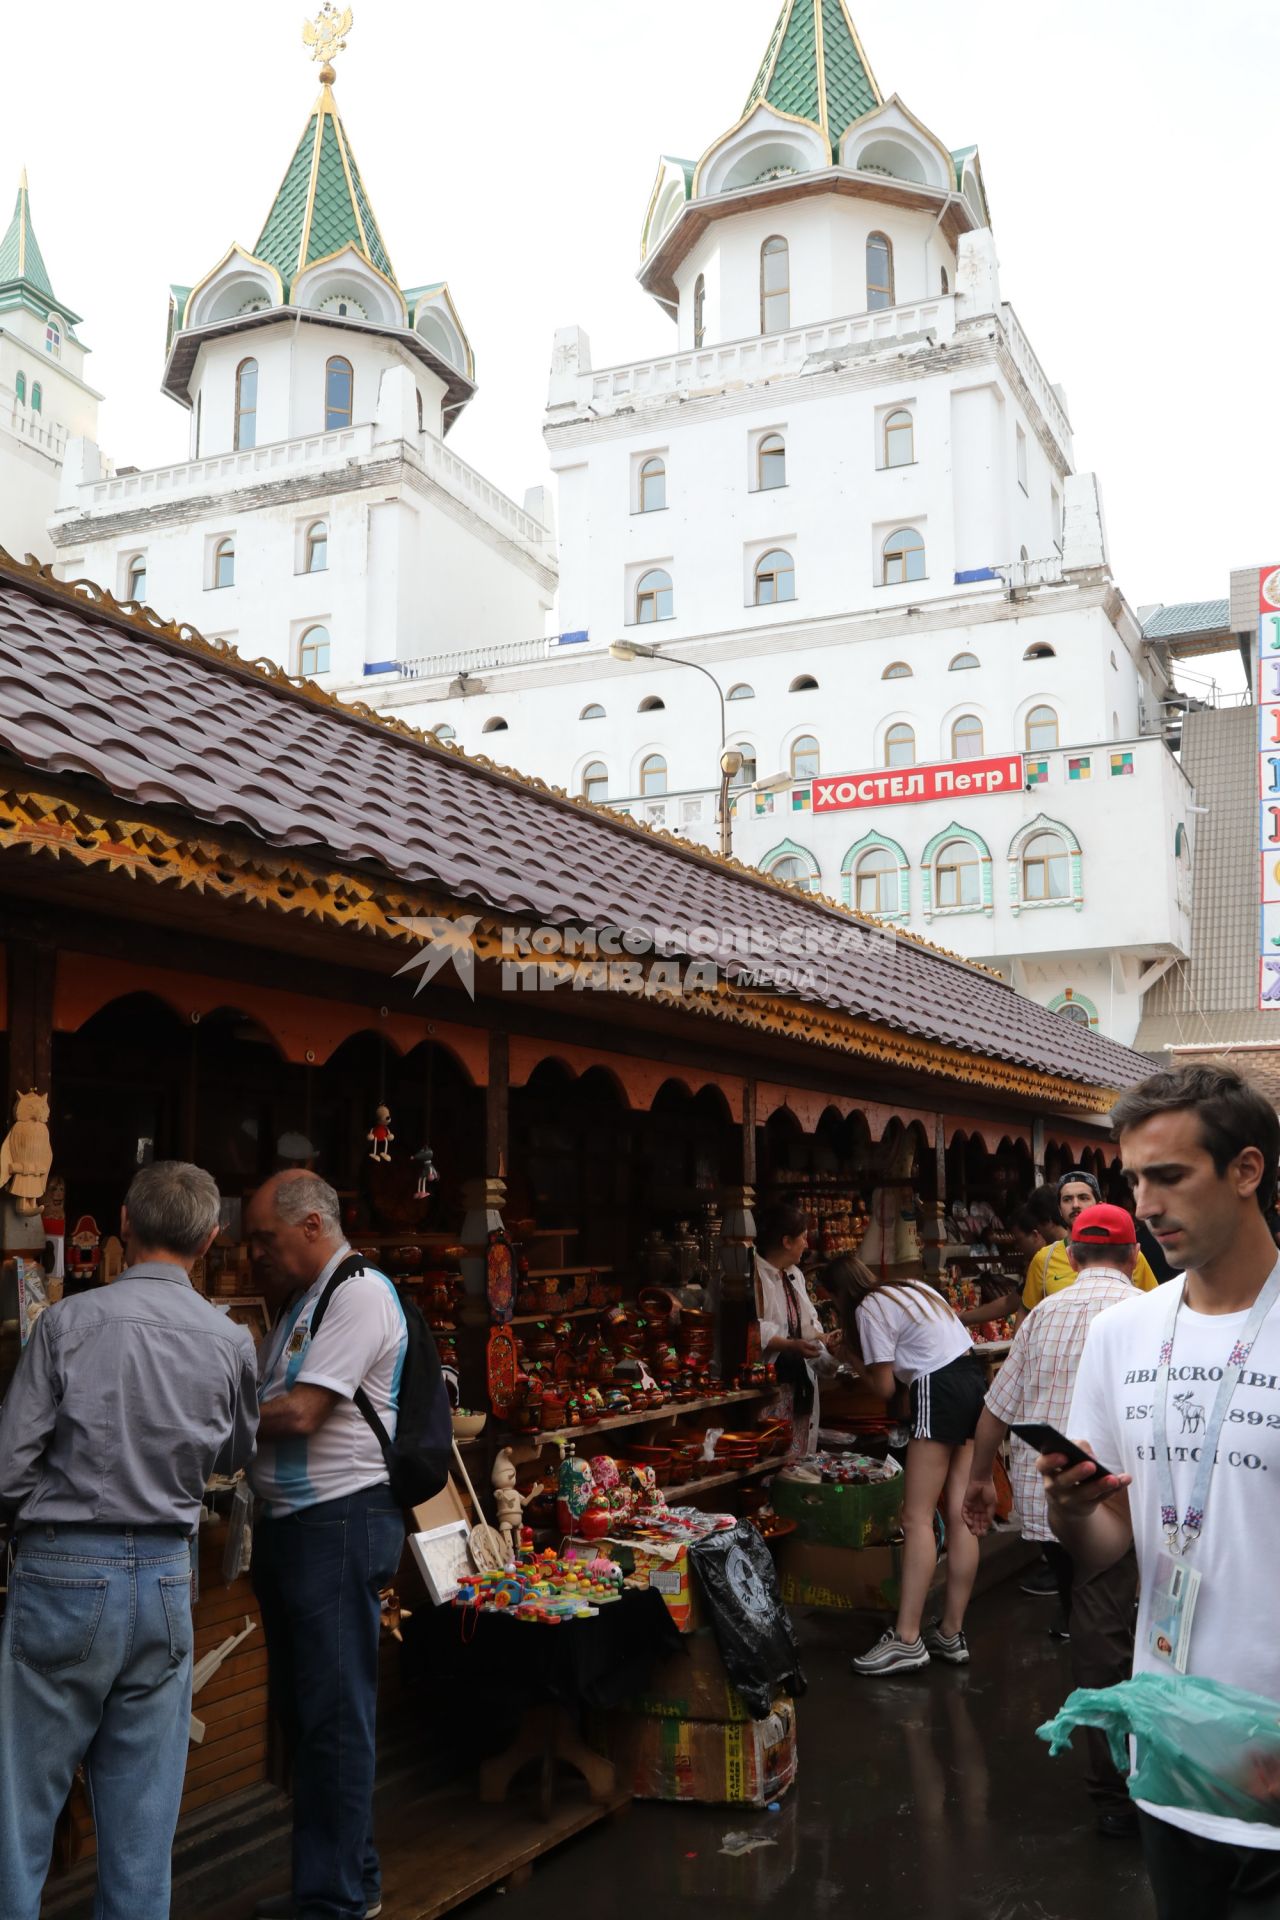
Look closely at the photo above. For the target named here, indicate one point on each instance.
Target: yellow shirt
(1050, 1271)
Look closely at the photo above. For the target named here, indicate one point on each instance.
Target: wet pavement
(922, 1798)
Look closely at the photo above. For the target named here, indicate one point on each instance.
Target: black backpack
(419, 1456)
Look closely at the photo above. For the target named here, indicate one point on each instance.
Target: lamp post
(730, 758)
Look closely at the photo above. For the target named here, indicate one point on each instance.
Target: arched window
(699, 310)
(897, 670)
(775, 286)
(1072, 1010)
(339, 387)
(313, 651)
(903, 557)
(652, 703)
(775, 578)
(136, 578)
(421, 417)
(1046, 868)
(771, 463)
(741, 692)
(53, 338)
(20, 389)
(962, 663)
(595, 781)
(899, 438)
(946, 284)
(496, 725)
(318, 546)
(653, 486)
(966, 738)
(900, 745)
(745, 776)
(246, 427)
(794, 864)
(37, 397)
(876, 882)
(803, 683)
(1041, 651)
(224, 564)
(879, 271)
(804, 758)
(593, 712)
(653, 776)
(1041, 730)
(444, 731)
(654, 597)
(957, 875)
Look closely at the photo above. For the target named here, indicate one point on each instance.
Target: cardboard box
(743, 1763)
(840, 1579)
(672, 1577)
(692, 1685)
(835, 1516)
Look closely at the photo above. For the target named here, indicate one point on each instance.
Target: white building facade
(45, 400)
(317, 517)
(848, 496)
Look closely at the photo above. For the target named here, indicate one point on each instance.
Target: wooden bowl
(466, 1426)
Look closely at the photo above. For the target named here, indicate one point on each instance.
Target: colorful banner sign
(1267, 694)
(945, 780)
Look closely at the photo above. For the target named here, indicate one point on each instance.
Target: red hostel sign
(888, 786)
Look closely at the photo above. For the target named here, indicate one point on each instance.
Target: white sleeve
(353, 1336)
(771, 1310)
(1094, 1417)
(876, 1334)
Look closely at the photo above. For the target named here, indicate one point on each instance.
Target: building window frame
(700, 312)
(879, 260)
(245, 433)
(850, 877)
(652, 484)
(773, 578)
(899, 745)
(1021, 900)
(899, 565)
(338, 411)
(315, 547)
(771, 458)
(899, 428)
(223, 570)
(931, 889)
(775, 301)
(314, 651)
(654, 597)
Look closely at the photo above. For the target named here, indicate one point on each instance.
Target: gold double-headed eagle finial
(326, 36)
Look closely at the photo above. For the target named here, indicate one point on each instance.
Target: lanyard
(1181, 1538)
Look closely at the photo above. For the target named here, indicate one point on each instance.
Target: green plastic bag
(1200, 1745)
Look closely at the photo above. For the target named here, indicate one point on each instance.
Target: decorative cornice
(58, 828)
(33, 575)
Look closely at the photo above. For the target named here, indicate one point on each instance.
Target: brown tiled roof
(162, 720)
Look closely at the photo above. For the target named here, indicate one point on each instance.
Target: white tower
(44, 398)
(318, 518)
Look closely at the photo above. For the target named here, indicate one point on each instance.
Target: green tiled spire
(20, 256)
(814, 67)
(322, 204)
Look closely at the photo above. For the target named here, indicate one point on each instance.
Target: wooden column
(31, 966)
(496, 1142)
(749, 1134)
(1037, 1148)
(940, 1151)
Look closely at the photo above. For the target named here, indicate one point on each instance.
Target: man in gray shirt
(124, 1402)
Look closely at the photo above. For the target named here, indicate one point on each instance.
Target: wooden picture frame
(248, 1310)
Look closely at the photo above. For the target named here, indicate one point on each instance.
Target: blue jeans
(95, 1665)
(317, 1575)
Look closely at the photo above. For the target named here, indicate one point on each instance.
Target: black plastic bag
(753, 1629)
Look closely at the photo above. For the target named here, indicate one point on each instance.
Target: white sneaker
(891, 1655)
(952, 1647)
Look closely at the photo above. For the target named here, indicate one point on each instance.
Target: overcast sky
(509, 146)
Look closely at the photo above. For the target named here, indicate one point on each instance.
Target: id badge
(1173, 1606)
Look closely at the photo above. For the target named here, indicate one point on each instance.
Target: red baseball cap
(1104, 1226)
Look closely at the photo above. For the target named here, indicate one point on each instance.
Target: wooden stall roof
(116, 702)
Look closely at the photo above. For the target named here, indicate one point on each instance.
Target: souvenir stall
(210, 953)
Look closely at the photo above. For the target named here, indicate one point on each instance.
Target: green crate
(841, 1516)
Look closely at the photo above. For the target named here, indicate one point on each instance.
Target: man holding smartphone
(1179, 1390)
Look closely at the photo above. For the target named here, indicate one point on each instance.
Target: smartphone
(1046, 1439)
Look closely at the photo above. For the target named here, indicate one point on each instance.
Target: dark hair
(1090, 1253)
(779, 1222)
(851, 1282)
(1233, 1115)
(1043, 1207)
(1023, 1220)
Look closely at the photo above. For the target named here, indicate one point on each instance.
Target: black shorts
(945, 1405)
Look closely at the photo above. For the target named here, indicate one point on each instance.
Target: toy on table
(509, 1500)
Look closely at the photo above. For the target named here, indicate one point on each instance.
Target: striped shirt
(361, 1343)
(1038, 1379)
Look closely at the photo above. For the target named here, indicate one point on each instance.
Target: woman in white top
(791, 1333)
(905, 1331)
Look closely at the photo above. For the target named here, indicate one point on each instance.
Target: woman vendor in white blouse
(790, 1331)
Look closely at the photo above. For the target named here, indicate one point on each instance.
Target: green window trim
(1074, 999)
(848, 869)
(790, 850)
(1043, 824)
(985, 904)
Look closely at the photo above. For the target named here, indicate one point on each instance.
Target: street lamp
(730, 758)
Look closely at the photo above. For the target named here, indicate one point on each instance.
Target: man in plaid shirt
(1035, 1384)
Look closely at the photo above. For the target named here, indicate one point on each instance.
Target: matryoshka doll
(574, 1492)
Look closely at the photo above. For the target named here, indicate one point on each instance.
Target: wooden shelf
(670, 1412)
(551, 1313)
(555, 1273)
(679, 1488)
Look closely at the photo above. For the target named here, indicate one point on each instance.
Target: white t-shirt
(361, 1343)
(1233, 1636)
(918, 1334)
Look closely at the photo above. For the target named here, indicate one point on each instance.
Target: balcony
(1037, 380)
